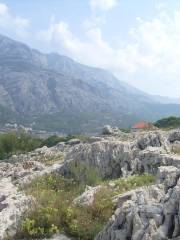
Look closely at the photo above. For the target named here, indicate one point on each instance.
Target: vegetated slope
(58, 93)
(169, 122)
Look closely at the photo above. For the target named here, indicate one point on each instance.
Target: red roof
(140, 125)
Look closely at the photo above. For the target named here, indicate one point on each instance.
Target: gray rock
(60, 237)
(108, 130)
(147, 213)
(73, 142)
(87, 198)
(115, 158)
(174, 135)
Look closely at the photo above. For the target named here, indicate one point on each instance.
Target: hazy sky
(137, 40)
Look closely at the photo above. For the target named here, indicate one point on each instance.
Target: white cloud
(11, 22)
(103, 5)
(94, 21)
(92, 51)
(149, 59)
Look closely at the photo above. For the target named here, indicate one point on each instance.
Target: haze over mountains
(56, 93)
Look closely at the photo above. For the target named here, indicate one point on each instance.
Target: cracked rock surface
(145, 213)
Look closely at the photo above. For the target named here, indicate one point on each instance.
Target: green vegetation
(125, 130)
(14, 143)
(168, 123)
(54, 211)
(132, 182)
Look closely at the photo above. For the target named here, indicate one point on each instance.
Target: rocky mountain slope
(150, 212)
(56, 93)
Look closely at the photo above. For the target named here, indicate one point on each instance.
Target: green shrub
(125, 130)
(54, 211)
(168, 123)
(132, 182)
(14, 143)
(54, 206)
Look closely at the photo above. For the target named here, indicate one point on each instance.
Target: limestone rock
(174, 135)
(108, 130)
(73, 142)
(152, 139)
(115, 158)
(147, 213)
(12, 205)
(60, 237)
(87, 198)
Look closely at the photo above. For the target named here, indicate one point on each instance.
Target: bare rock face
(60, 237)
(152, 139)
(174, 135)
(22, 169)
(115, 158)
(110, 157)
(12, 205)
(148, 213)
(108, 130)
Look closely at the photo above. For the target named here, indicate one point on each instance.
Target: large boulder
(152, 139)
(108, 130)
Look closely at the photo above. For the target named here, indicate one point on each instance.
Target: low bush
(53, 210)
(14, 143)
(168, 123)
(132, 182)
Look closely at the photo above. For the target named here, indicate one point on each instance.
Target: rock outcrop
(87, 197)
(148, 213)
(22, 169)
(108, 130)
(142, 214)
(12, 205)
(116, 158)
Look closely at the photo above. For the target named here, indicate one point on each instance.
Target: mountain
(165, 100)
(56, 93)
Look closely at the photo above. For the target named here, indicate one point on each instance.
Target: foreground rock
(22, 170)
(87, 198)
(12, 205)
(116, 158)
(142, 214)
(60, 237)
(148, 213)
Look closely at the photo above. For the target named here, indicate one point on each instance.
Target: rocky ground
(145, 213)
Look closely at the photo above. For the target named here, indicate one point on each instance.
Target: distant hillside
(56, 93)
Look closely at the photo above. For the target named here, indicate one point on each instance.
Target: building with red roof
(142, 125)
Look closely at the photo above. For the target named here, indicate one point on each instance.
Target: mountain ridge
(50, 88)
